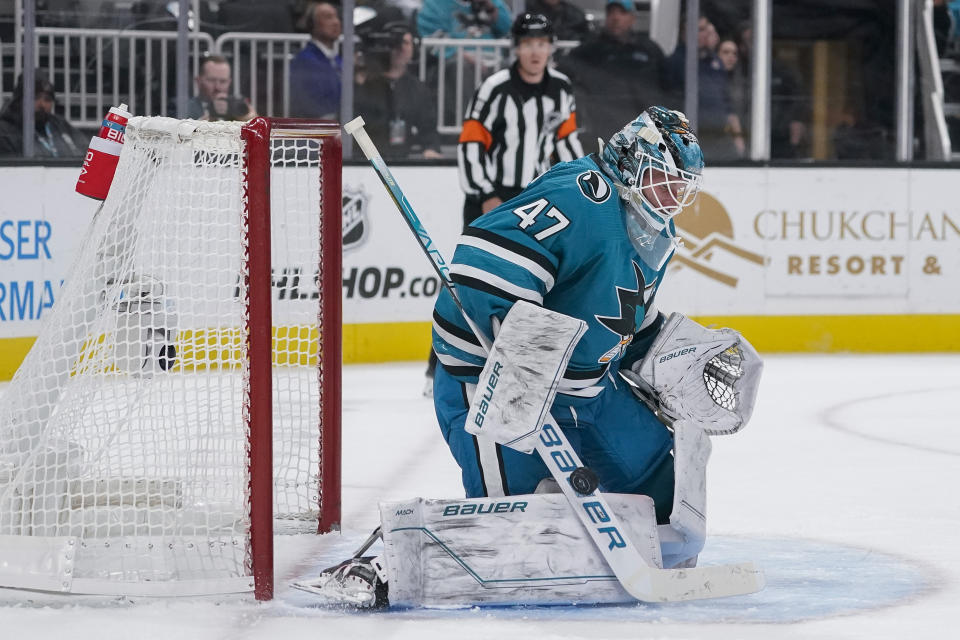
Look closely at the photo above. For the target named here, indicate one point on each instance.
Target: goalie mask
(657, 165)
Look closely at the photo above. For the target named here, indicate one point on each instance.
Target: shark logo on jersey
(633, 306)
(593, 186)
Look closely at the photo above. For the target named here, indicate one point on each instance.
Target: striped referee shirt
(512, 129)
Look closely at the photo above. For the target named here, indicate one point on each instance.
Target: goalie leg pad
(682, 540)
(526, 549)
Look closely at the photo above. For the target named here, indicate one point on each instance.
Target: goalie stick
(643, 582)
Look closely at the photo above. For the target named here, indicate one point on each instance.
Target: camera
(230, 108)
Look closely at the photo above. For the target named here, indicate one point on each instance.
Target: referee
(520, 121)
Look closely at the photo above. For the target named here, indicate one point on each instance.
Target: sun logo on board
(707, 231)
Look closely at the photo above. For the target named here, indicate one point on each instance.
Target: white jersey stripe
(497, 282)
(458, 342)
(505, 254)
(589, 392)
(452, 361)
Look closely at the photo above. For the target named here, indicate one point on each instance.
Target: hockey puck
(583, 480)
(168, 356)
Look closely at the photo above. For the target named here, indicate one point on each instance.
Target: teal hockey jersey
(562, 244)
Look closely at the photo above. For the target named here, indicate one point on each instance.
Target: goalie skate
(355, 582)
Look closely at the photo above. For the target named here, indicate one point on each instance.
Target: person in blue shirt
(315, 71)
(592, 239)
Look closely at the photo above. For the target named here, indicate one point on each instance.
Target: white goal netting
(123, 436)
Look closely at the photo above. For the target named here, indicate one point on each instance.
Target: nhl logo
(354, 206)
(593, 186)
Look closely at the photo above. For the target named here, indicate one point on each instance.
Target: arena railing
(96, 68)
(458, 66)
(260, 65)
(932, 97)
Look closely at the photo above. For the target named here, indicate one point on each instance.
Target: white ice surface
(844, 487)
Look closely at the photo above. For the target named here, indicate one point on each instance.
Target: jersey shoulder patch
(593, 186)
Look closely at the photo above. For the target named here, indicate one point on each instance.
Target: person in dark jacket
(398, 110)
(54, 137)
(618, 73)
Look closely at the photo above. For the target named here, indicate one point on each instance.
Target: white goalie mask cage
(663, 187)
(708, 376)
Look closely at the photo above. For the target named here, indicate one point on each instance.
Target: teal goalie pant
(616, 436)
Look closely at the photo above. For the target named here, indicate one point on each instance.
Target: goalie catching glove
(690, 372)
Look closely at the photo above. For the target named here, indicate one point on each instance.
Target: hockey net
(183, 398)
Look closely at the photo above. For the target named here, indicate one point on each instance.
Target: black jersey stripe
(480, 285)
(514, 247)
(463, 372)
(503, 471)
(572, 374)
(464, 334)
(476, 451)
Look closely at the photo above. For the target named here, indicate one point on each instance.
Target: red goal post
(182, 401)
(258, 136)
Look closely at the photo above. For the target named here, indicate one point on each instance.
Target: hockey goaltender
(553, 351)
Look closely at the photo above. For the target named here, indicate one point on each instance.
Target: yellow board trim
(386, 342)
(398, 341)
(12, 353)
(855, 334)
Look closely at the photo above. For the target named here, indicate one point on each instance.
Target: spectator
(738, 85)
(729, 54)
(519, 122)
(719, 126)
(213, 100)
(315, 71)
(399, 113)
(721, 133)
(788, 112)
(707, 37)
(617, 72)
(54, 136)
(569, 21)
(676, 64)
